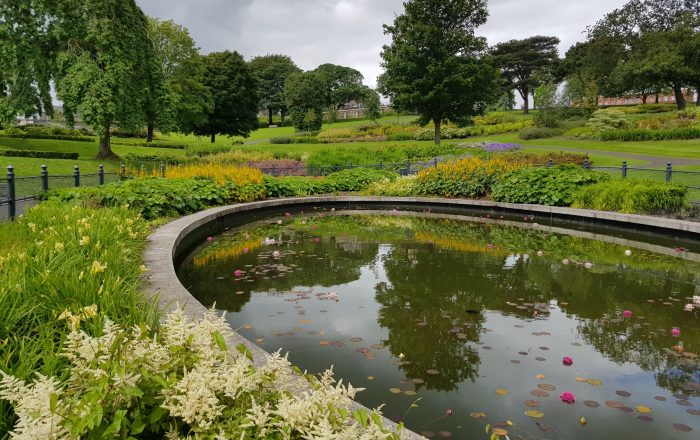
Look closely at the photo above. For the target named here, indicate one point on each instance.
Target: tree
(103, 64)
(372, 105)
(235, 96)
(340, 85)
(176, 98)
(306, 99)
(272, 72)
(522, 61)
(435, 64)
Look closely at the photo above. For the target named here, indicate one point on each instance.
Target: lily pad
(623, 393)
(626, 409)
(615, 404)
(514, 361)
(684, 403)
(417, 381)
(502, 391)
(643, 409)
(681, 427)
(535, 414)
(432, 372)
(594, 382)
(477, 415)
(445, 434)
(427, 434)
(540, 376)
(541, 359)
(499, 432)
(546, 387)
(539, 393)
(695, 412)
(591, 403)
(324, 343)
(544, 428)
(394, 390)
(370, 377)
(410, 393)
(356, 339)
(533, 403)
(660, 398)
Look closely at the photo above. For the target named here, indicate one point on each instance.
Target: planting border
(164, 243)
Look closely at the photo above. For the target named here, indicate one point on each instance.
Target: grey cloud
(349, 32)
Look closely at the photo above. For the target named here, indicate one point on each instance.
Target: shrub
(306, 140)
(554, 186)
(607, 119)
(282, 140)
(218, 172)
(237, 157)
(398, 137)
(556, 157)
(295, 186)
(633, 196)
(638, 135)
(205, 150)
(39, 154)
(494, 118)
(539, 133)
(400, 187)
(471, 177)
(156, 157)
(159, 145)
(357, 179)
(476, 130)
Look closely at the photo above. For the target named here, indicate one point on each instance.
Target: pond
(460, 325)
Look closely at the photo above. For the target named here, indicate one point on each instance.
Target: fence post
(550, 163)
(273, 170)
(350, 166)
(586, 164)
(76, 176)
(44, 178)
(381, 165)
(123, 173)
(101, 174)
(669, 172)
(435, 162)
(12, 207)
(624, 169)
(162, 169)
(309, 170)
(408, 167)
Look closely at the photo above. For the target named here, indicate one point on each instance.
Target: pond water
(471, 319)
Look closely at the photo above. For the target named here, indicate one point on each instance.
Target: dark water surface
(471, 318)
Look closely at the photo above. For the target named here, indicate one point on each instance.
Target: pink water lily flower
(246, 250)
(317, 239)
(696, 299)
(568, 397)
(567, 361)
(627, 314)
(689, 307)
(238, 273)
(675, 331)
(210, 238)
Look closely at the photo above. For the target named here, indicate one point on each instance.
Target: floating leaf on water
(324, 343)
(583, 421)
(410, 393)
(660, 398)
(305, 321)
(626, 409)
(477, 415)
(514, 361)
(502, 392)
(546, 387)
(623, 393)
(680, 396)
(462, 336)
(247, 326)
(540, 376)
(541, 359)
(394, 390)
(356, 339)
(432, 372)
(499, 432)
(370, 377)
(576, 344)
(615, 404)
(591, 403)
(544, 348)
(445, 434)
(646, 418)
(544, 428)
(535, 414)
(594, 382)
(643, 409)
(539, 393)
(260, 340)
(695, 412)
(532, 403)
(417, 381)
(486, 347)
(338, 344)
(427, 434)
(681, 427)
(581, 379)
(377, 346)
(523, 353)
(684, 403)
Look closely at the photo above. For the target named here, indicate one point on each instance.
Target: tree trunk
(213, 138)
(697, 95)
(438, 133)
(680, 99)
(644, 98)
(526, 100)
(269, 114)
(149, 132)
(105, 151)
(657, 98)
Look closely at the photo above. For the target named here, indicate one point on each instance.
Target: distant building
(604, 101)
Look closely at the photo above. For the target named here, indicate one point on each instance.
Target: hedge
(638, 135)
(39, 154)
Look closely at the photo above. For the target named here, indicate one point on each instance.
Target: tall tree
(372, 105)
(103, 64)
(306, 100)
(235, 96)
(341, 84)
(176, 92)
(435, 64)
(524, 62)
(272, 72)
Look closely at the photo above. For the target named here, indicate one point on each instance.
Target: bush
(557, 157)
(607, 119)
(476, 130)
(553, 186)
(357, 179)
(282, 140)
(38, 132)
(306, 140)
(638, 135)
(539, 133)
(155, 157)
(205, 150)
(633, 196)
(220, 173)
(398, 137)
(160, 145)
(39, 154)
(471, 177)
(400, 187)
(296, 186)
(494, 118)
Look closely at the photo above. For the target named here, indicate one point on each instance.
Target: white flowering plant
(182, 382)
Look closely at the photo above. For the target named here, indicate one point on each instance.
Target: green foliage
(389, 155)
(155, 157)
(372, 105)
(340, 85)
(235, 95)
(282, 140)
(539, 133)
(608, 119)
(39, 154)
(304, 94)
(556, 157)
(205, 150)
(476, 130)
(435, 65)
(639, 135)
(553, 186)
(400, 187)
(494, 118)
(357, 179)
(633, 196)
(47, 259)
(296, 186)
(272, 72)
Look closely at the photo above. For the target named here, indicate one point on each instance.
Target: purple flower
(495, 147)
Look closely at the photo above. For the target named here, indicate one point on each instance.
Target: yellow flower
(82, 273)
(97, 267)
(143, 268)
(32, 226)
(89, 311)
(84, 241)
(58, 247)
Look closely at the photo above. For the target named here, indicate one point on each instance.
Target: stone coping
(161, 278)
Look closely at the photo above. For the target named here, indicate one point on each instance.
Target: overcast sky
(349, 32)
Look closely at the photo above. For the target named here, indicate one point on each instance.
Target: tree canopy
(272, 72)
(306, 100)
(235, 96)
(525, 63)
(435, 64)
(341, 85)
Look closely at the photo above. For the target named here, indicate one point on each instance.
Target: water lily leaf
(684, 403)
(539, 393)
(695, 412)
(445, 434)
(535, 414)
(533, 403)
(305, 321)
(615, 404)
(643, 409)
(660, 398)
(646, 418)
(394, 390)
(594, 382)
(370, 377)
(546, 387)
(502, 392)
(427, 434)
(580, 379)
(541, 359)
(514, 361)
(477, 415)
(544, 428)
(410, 393)
(540, 376)
(623, 393)
(324, 343)
(356, 339)
(432, 372)
(591, 403)
(499, 432)
(417, 381)
(626, 409)
(681, 427)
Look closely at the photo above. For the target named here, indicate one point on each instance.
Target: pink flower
(246, 250)
(565, 261)
(313, 227)
(627, 314)
(276, 254)
(238, 273)
(675, 331)
(689, 307)
(287, 214)
(449, 411)
(490, 246)
(567, 361)
(210, 238)
(568, 397)
(317, 239)
(540, 253)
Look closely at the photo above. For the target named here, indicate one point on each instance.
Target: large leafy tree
(177, 99)
(341, 85)
(103, 64)
(27, 54)
(272, 72)
(306, 100)
(435, 64)
(234, 92)
(524, 63)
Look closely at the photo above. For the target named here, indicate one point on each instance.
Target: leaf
(643, 409)
(219, 340)
(133, 391)
(594, 382)
(361, 416)
(502, 392)
(499, 432)
(583, 421)
(245, 351)
(394, 390)
(535, 414)
(488, 428)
